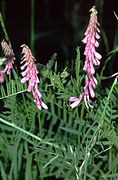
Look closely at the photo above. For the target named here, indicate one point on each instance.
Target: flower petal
(74, 104)
(44, 105)
(97, 55)
(71, 99)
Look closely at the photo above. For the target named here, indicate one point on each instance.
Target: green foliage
(12, 86)
(62, 142)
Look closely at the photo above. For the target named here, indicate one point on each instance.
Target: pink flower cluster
(29, 73)
(92, 60)
(8, 59)
(29, 70)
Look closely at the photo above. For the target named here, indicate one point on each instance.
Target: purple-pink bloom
(92, 60)
(76, 100)
(38, 98)
(30, 74)
(91, 41)
(9, 59)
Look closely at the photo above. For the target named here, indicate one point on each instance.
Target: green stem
(3, 9)
(24, 102)
(80, 123)
(13, 94)
(110, 160)
(4, 29)
(86, 161)
(40, 127)
(28, 133)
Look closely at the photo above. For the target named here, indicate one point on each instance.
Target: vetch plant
(61, 142)
(29, 73)
(92, 59)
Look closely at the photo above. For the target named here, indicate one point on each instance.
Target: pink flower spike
(9, 58)
(92, 59)
(30, 74)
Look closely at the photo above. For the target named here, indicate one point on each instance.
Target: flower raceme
(91, 41)
(29, 73)
(9, 59)
(92, 59)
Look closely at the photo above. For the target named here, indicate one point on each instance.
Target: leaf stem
(28, 133)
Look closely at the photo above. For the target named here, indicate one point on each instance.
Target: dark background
(59, 27)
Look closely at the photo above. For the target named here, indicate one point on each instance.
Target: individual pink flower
(30, 74)
(9, 57)
(92, 60)
(76, 100)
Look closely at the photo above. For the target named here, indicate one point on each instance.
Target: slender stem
(3, 9)
(18, 128)
(28, 133)
(80, 123)
(32, 33)
(110, 160)
(77, 65)
(4, 28)
(13, 94)
(40, 127)
(86, 161)
(24, 102)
